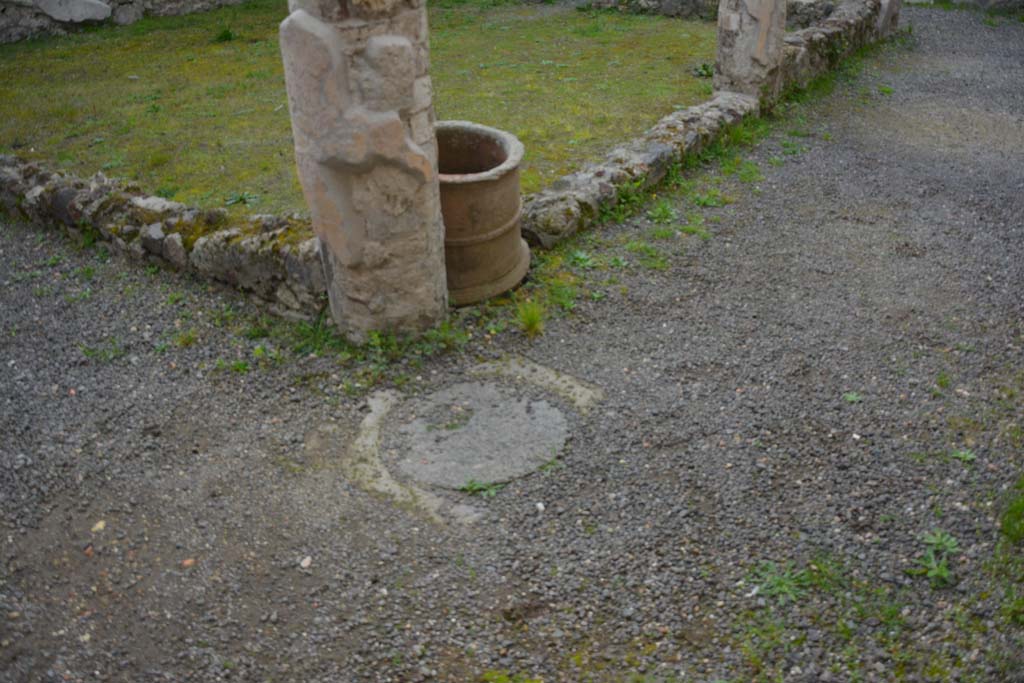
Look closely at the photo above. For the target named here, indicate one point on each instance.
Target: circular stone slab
(481, 432)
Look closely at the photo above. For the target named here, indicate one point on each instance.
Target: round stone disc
(480, 432)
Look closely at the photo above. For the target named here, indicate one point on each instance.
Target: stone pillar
(359, 92)
(888, 17)
(750, 42)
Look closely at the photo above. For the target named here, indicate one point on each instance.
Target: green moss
(204, 223)
(163, 103)
(1012, 520)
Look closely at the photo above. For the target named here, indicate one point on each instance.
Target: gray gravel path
(783, 402)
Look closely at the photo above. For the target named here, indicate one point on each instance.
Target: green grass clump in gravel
(194, 107)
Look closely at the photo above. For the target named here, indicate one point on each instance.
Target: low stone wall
(272, 258)
(799, 13)
(276, 260)
(705, 9)
(997, 6)
(20, 19)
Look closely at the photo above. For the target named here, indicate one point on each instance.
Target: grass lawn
(194, 107)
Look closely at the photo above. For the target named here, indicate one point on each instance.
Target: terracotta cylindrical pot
(484, 250)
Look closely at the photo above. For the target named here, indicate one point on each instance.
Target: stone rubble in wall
(803, 13)
(255, 257)
(670, 8)
(291, 279)
(799, 13)
(21, 19)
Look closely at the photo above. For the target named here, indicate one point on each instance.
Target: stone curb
(261, 256)
(258, 255)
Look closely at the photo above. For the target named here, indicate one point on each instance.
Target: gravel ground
(783, 402)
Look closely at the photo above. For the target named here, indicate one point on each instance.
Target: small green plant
(943, 381)
(476, 488)
(749, 172)
(185, 339)
(175, 298)
(83, 295)
(240, 367)
(54, 260)
(852, 397)
(662, 233)
(225, 315)
(964, 455)
(781, 582)
(225, 35)
(258, 330)
(650, 256)
(713, 197)
(1011, 523)
(581, 259)
(551, 465)
(87, 273)
(245, 198)
(563, 295)
(152, 270)
(316, 337)
(105, 353)
(885, 90)
(934, 563)
(662, 212)
(263, 355)
(703, 70)
(530, 318)
(731, 165)
(942, 542)
(791, 148)
(935, 568)
(695, 226)
(628, 199)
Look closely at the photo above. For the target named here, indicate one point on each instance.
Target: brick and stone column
(750, 43)
(359, 92)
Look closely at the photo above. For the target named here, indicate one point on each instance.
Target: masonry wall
(21, 19)
(799, 13)
(705, 9)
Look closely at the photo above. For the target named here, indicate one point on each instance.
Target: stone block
(152, 238)
(175, 252)
(74, 11)
(128, 13)
(749, 53)
(387, 74)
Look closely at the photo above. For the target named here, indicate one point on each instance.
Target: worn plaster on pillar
(888, 17)
(357, 74)
(750, 42)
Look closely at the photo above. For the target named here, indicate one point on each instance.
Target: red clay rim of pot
(510, 144)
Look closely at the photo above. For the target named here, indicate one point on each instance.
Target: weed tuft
(530, 318)
(782, 582)
(476, 488)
